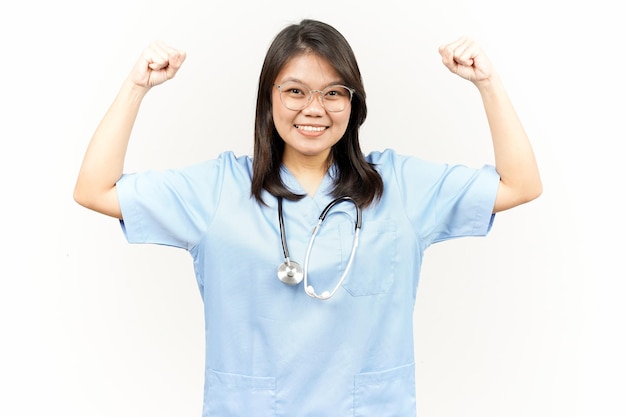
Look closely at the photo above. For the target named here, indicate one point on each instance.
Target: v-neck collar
(323, 191)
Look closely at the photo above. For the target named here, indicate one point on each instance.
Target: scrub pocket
(374, 265)
(389, 393)
(236, 395)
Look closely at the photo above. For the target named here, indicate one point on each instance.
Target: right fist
(157, 64)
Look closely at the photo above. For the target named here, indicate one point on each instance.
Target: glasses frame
(310, 95)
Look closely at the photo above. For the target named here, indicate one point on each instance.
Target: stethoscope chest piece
(290, 273)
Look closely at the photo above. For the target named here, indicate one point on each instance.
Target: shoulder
(388, 160)
(225, 164)
(229, 159)
(407, 169)
(381, 157)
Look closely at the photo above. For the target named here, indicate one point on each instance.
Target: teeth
(311, 128)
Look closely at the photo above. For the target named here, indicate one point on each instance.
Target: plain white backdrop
(526, 322)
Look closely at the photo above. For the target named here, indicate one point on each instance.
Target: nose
(315, 106)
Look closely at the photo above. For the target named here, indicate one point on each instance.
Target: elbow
(526, 196)
(81, 196)
(104, 202)
(86, 196)
(536, 191)
(533, 189)
(512, 196)
(529, 192)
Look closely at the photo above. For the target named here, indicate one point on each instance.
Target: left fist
(465, 58)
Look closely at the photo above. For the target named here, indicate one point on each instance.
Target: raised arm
(103, 162)
(514, 158)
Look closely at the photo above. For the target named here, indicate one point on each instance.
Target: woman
(333, 334)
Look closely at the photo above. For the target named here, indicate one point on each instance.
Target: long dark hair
(355, 177)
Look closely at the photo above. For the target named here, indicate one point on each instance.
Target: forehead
(310, 69)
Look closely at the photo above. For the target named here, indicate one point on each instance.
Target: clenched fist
(465, 58)
(157, 64)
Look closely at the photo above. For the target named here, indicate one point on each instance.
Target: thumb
(158, 63)
(174, 62)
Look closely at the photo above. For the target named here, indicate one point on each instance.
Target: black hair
(355, 177)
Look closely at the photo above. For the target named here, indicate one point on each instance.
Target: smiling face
(310, 133)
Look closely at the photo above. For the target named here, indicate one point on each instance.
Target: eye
(293, 90)
(336, 92)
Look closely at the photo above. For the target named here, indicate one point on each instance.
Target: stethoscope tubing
(309, 289)
(290, 272)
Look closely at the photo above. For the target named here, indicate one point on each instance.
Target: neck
(308, 171)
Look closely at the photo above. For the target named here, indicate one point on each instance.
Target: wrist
(134, 91)
(489, 86)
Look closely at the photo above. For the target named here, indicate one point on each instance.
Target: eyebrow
(297, 80)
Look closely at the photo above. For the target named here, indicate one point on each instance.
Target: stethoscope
(291, 273)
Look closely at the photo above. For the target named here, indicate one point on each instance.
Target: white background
(526, 322)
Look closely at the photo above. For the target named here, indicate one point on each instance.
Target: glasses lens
(296, 96)
(336, 98)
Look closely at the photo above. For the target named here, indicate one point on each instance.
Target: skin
(514, 158)
(306, 154)
(310, 133)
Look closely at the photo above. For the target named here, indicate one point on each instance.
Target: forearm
(103, 162)
(514, 157)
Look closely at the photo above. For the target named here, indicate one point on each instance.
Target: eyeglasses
(296, 96)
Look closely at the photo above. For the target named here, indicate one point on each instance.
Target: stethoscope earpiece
(310, 291)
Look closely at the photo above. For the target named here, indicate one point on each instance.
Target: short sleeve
(171, 207)
(444, 201)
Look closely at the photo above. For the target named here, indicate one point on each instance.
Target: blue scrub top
(271, 350)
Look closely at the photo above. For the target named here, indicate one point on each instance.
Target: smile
(311, 128)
